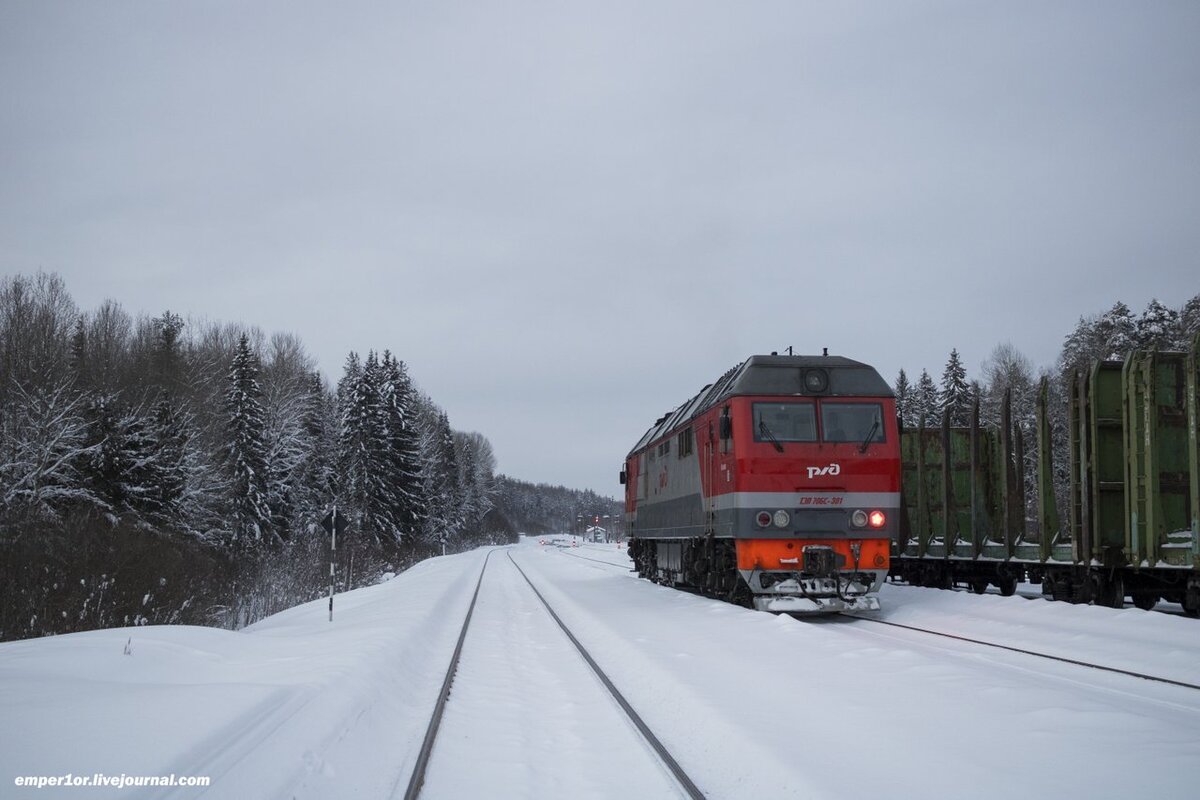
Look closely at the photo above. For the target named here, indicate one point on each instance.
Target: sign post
(333, 523)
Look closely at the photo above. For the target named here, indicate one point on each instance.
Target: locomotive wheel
(741, 595)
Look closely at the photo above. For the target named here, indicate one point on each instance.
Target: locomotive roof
(775, 375)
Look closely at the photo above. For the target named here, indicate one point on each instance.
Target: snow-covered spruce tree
(363, 451)
(381, 497)
(925, 402)
(476, 467)
(168, 437)
(442, 488)
(315, 473)
(167, 358)
(1078, 347)
(79, 362)
(404, 447)
(245, 450)
(1157, 328)
(1189, 322)
(1115, 332)
(1111, 335)
(352, 433)
(121, 467)
(955, 395)
(904, 399)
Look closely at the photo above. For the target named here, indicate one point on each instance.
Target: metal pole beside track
(332, 559)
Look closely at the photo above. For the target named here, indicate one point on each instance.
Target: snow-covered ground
(752, 705)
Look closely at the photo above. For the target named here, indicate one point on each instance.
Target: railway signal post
(333, 523)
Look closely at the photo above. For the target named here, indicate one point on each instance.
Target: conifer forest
(157, 469)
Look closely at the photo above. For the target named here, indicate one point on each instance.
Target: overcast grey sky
(568, 217)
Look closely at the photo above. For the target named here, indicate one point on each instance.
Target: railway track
(598, 561)
(982, 642)
(417, 778)
(1023, 651)
(666, 763)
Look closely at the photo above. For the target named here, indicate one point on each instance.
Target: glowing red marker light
(876, 518)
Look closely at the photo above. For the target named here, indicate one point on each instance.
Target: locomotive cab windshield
(852, 422)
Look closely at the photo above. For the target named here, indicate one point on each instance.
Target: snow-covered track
(417, 779)
(1023, 651)
(622, 567)
(685, 782)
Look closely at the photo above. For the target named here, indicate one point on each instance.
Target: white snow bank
(294, 706)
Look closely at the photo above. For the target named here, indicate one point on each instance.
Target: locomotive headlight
(877, 519)
(782, 518)
(763, 519)
(816, 381)
(859, 519)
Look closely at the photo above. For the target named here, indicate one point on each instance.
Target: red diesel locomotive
(777, 487)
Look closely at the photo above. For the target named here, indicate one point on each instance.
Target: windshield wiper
(762, 427)
(870, 436)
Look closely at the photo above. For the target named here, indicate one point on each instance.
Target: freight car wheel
(1191, 601)
(1145, 600)
(1106, 591)
(979, 586)
(1007, 585)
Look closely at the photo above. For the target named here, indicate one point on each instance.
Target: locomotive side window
(852, 422)
(785, 422)
(685, 442)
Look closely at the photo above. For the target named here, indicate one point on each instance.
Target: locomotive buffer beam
(792, 604)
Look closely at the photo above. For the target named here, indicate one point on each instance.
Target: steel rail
(598, 561)
(668, 760)
(1010, 648)
(417, 779)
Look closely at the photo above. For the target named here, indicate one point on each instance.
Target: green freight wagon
(1132, 527)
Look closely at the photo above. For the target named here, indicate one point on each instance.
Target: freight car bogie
(946, 574)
